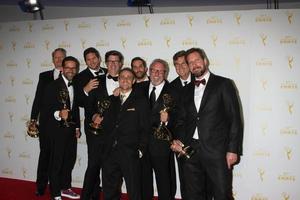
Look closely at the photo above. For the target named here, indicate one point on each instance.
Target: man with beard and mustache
(211, 124)
(139, 67)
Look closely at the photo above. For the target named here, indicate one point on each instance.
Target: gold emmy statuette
(187, 152)
(33, 128)
(102, 106)
(162, 132)
(63, 98)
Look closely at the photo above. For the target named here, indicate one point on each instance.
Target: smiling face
(69, 70)
(182, 68)
(198, 65)
(92, 61)
(113, 65)
(139, 69)
(126, 80)
(157, 73)
(57, 59)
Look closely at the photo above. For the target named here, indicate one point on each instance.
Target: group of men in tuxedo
(198, 109)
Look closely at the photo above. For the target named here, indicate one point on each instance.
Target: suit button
(198, 118)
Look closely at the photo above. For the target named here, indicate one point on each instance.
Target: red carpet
(14, 189)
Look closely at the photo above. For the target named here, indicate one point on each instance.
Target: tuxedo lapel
(192, 94)
(207, 91)
(62, 86)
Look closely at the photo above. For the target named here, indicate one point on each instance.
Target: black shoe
(39, 193)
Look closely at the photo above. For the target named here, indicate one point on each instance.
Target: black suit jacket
(218, 119)
(52, 103)
(127, 125)
(158, 147)
(44, 79)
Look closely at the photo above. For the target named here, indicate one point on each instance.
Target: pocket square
(131, 109)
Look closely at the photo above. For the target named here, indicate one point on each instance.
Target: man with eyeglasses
(159, 158)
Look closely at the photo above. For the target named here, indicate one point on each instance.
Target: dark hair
(138, 58)
(179, 54)
(91, 50)
(71, 58)
(59, 49)
(201, 52)
(128, 70)
(114, 53)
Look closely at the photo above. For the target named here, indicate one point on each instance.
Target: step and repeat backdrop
(258, 49)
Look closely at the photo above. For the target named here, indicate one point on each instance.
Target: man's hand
(97, 119)
(176, 146)
(117, 91)
(92, 84)
(77, 133)
(164, 116)
(64, 114)
(231, 159)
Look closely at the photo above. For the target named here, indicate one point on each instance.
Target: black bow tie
(70, 83)
(198, 82)
(99, 72)
(115, 78)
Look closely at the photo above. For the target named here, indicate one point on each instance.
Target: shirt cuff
(56, 115)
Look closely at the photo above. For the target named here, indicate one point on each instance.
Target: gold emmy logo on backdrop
(24, 172)
(264, 84)
(285, 196)
(288, 131)
(258, 197)
(47, 44)
(263, 19)
(102, 43)
(261, 173)
(191, 20)
(79, 160)
(104, 22)
(10, 99)
(123, 42)
(167, 40)
(66, 24)
(289, 85)
(27, 98)
(167, 21)
(11, 116)
(290, 107)
(285, 176)
(263, 128)
(290, 16)
(13, 45)
(263, 38)
(28, 62)
(288, 152)
(215, 63)
(12, 81)
(262, 153)
(30, 25)
(290, 61)
(214, 39)
(237, 18)
(64, 45)
(7, 171)
(83, 41)
(8, 151)
(48, 27)
(84, 25)
(146, 21)
(214, 20)
(29, 45)
(123, 23)
(288, 40)
(14, 28)
(8, 135)
(189, 42)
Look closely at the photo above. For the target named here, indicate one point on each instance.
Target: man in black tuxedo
(63, 125)
(160, 157)
(36, 115)
(211, 124)
(107, 84)
(126, 124)
(139, 67)
(182, 69)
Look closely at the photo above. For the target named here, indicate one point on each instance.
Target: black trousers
(96, 153)
(122, 162)
(43, 163)
(62, 160)
(202, 166)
